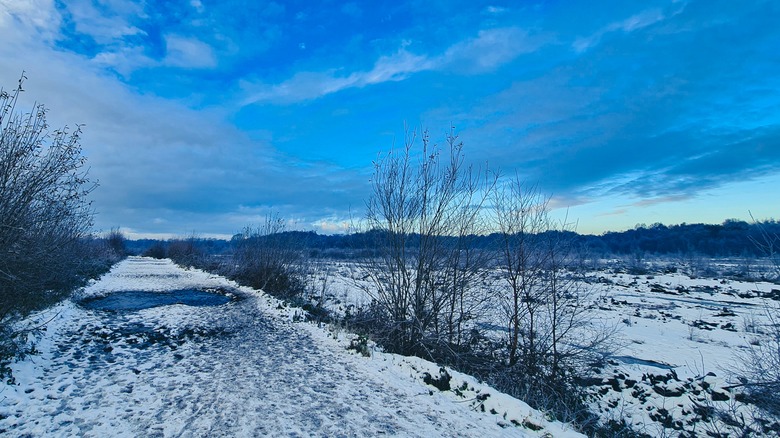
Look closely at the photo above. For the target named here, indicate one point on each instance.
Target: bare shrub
(99, 252)
(757, 370)
(423, 209)
(768, 243)
(185, 252)
(551, 339)
(44, 215)
(157, 251)
(757, 366)
(116, 242)
(268, 258)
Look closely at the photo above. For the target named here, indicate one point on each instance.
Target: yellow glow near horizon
(761, 197)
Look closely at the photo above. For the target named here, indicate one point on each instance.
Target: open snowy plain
(249, 367)
(680, 338)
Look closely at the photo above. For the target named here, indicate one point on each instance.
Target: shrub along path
(237, 369)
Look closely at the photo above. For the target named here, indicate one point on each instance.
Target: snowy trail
(240, 369)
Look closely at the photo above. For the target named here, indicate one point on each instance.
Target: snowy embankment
(245, 368)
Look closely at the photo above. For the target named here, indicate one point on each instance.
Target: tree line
(732, 238)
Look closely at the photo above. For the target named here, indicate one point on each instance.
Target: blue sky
(204, 116)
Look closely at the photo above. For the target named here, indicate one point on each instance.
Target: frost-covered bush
(157, 251)
(268, 258)
(45, 217)
(185, 252)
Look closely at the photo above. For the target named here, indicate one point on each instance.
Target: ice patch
(138, 300)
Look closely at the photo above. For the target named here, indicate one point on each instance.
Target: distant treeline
(729, 239)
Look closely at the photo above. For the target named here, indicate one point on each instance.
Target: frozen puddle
(139, 299)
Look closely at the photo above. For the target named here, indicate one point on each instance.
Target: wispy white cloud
(487, 51)
(628, 25)
(197, 5)
(312, 85)
(661, 200)
(332, 225)
(617, 212)
(495, 10)
(188, 53)
(109, 25)
(181, 52)
(124, 60)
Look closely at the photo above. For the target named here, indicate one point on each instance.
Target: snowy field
(245, 368)
(679, 336)
(682, 337)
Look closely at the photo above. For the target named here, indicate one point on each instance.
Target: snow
(246, 368)
(680, 337)
(694, 328)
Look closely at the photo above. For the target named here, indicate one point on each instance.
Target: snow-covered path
(239, 369)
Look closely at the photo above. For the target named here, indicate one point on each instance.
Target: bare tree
(424, 206)
(550, 335)
(521, 213)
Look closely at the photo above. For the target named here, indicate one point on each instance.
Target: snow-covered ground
(246, 368)
(680, 338)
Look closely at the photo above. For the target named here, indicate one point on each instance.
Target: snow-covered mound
(244, 368)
